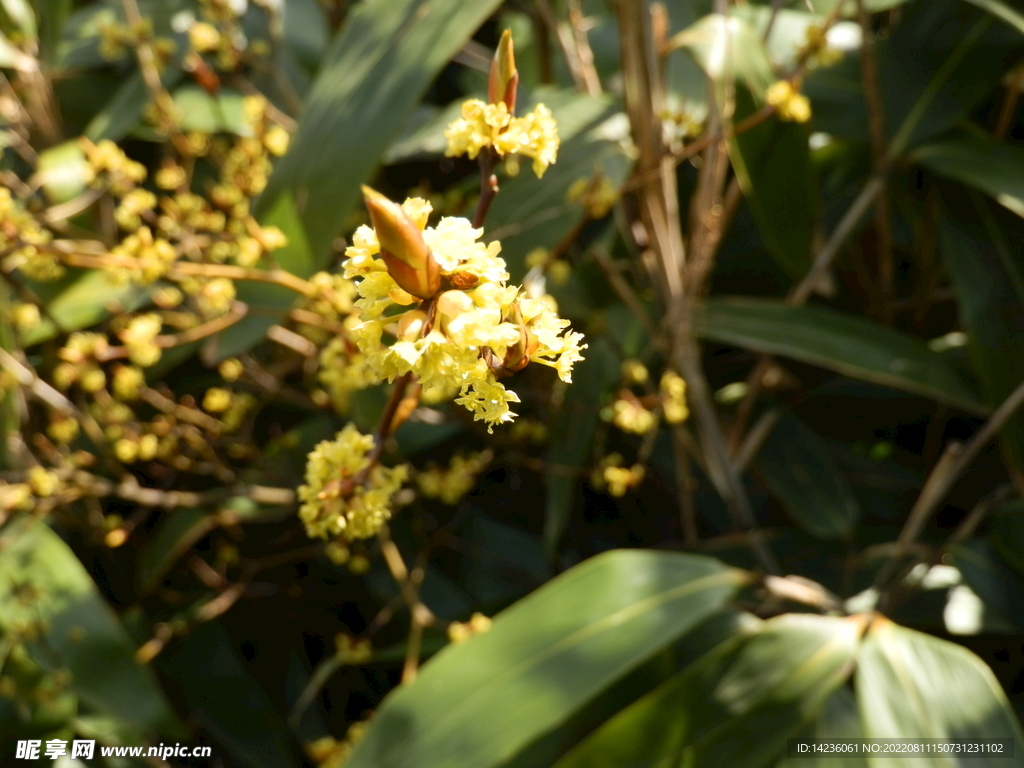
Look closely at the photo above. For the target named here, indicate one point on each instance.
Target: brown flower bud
(503, 81)
(518, 355)
(402, 247)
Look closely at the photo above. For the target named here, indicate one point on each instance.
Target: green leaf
(998, 586)
(1006, 533)
(480, 702)
(375, 73)
(225, 699)
(838, 719)
(83, 635)
(52, 15)
(773, 165)
(82, 302)
(20, 12)
(839, 342)
(913, 685)
(798, 468)
(174, 536)
(535, 213)
(573, 432)
(267, 303)
(993, 167)
(737, 705)
(62, 171)
(1001, 11)
(729, 50)
(978, 248)
(204, 113)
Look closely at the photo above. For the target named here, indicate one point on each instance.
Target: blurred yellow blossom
(335, 502)
(534, 135)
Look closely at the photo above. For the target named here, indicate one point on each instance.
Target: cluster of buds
(347, 494)
(617, 479)
(464, 326)
(460, 631)
(494, 126)
(451, 484)
(789, 103)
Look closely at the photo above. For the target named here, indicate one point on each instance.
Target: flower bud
(411, 325)
(454, 303)
(503, 80)
(402, 247)
(518, 355)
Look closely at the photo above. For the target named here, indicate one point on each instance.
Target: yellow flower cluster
(328, 752)
(673, 398)
(459, 631)
(597, 195)
(616, 478)
(475, 333)
(451, 484)
(21, 235)
(490, 125)
(334, 502)
(790, 104)
(629, 415)
(343, 371)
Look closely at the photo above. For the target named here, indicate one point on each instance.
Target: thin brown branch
(950, 466)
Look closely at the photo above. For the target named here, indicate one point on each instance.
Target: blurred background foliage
(811, 210)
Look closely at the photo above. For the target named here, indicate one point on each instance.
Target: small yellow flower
(790, 104)
(336, 501)
(673, 394)
(140, 337)
(534, 135)
(217, 400)
(203, 37)
(43, 482)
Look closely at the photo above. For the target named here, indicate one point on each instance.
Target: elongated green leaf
(839, 342)
(990, 166)
(1006, 533)
(62, 171)
(1001, 11)
(838, 719)
(535, 213)
(202, 112)
(85, 300)
(990, 578)
(737, 705)
(728, 50)
(375, 73)
(796, 465)
(773, 164)
(978, 248)
(480, 702)
(225, 699)
(912, 685)
(83, 635)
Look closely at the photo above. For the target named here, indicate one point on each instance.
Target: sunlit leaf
(376, 71)
(991, 166)
(41, 580)
(728, 50)
(912, 685)
(839, 342)
(737, 705)
(480, 702)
